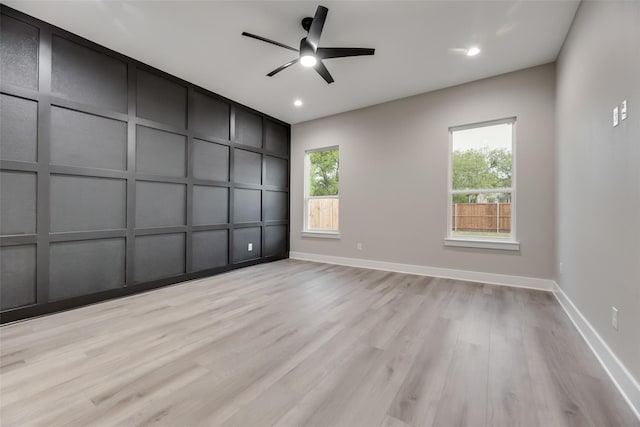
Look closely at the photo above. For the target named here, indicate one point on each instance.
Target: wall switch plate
(614, 318)
(250, 247)
(359, 246)
(623, 110)
(615, 117)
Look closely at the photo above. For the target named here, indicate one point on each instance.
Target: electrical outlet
(359, 246)
(561, 267)
(250, 247)
(623, 110)
(615, 116)
(614, 318)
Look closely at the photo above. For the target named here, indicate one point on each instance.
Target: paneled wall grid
(117, 177)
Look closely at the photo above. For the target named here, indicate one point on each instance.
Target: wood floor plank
(510, 390)
(302, 343)
(417, 400)
(325, 404)
(369, 405)
(464, 396)
(390, 421)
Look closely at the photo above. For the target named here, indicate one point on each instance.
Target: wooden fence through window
(484, 217)
(489, 217)
(323, 214)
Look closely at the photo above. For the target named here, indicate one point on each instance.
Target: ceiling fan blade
(253, 36)
(322, 70)
(282, 67)
(316, 27)
(341, 52)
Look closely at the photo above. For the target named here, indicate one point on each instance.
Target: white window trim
(321, 234)
(507, 245)
(306, 232)
(511, 243)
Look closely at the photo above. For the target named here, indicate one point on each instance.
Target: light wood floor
(297, 343)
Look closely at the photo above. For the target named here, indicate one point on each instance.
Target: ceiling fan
(310, 54)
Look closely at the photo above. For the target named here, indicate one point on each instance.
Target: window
(321, 186)
(482, 185)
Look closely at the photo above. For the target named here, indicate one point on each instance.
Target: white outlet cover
(250, 247)
(614, 318)
(615, 117)
(623, 110)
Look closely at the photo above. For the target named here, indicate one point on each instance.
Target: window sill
(321, 234)
(507, 245)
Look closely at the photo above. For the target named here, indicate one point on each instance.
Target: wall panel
(81, 203)
(210, 249)
(277, 172)
(160, 204)
(19, 130)
(18, 276)
(18, 53)
(275, 205)
(210, 205)
(210, 161)
(242, 237)
(87, 140)
(159, 256)
(247, 167)
(209, 116)
(116, 177)
(88, 76)
(85, 267)
(247, 205)
(248, 128)
(275, 240)
(275, 138)
(161, 100)
(17, 202)
(160, 153)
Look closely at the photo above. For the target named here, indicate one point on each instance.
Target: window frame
(503, 243)
(306, 232)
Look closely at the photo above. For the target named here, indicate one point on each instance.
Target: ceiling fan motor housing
(306, 23)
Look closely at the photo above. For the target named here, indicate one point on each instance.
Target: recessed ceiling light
(473, 51)
(297, 103)
(308, 60)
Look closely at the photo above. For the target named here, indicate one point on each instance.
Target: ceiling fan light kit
(308, 61)
(310, 54)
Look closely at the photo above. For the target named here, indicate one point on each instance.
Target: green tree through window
(480, 168)
(323, 173)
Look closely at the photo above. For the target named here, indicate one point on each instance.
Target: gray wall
(393, 175)
(598, 203)
(115, 176)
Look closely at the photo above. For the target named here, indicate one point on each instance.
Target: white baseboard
(447, 273)
(619, 374)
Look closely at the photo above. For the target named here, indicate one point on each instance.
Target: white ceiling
(415, 42)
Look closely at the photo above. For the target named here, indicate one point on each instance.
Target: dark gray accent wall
(116, 177)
